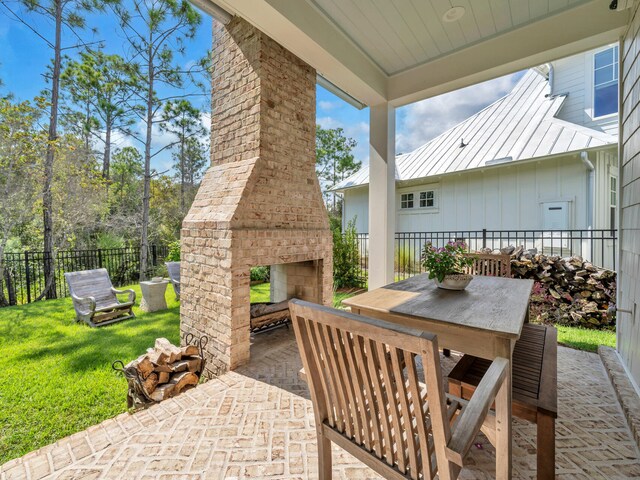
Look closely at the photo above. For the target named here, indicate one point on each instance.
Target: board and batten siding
(629, 272)
(574, 75)
(501, 198)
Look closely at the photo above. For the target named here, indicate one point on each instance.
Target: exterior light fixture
(453, 14)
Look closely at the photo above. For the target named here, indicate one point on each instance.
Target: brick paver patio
(257, 422)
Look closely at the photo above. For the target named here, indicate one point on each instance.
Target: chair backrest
(92, 283)
(174, 270)
(363, 378)
(490, 265)
(174, 274)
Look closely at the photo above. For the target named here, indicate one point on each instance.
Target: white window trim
(592, 84)
(617, 191)
(435, 199)
(416, 200)
(404, 209)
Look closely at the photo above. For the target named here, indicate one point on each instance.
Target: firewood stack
(167, 370)
(569, 290)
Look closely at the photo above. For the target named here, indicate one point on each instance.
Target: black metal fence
(596, 246)
(23, 279)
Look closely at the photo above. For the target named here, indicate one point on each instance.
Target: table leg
(504, 348)
(546, 446)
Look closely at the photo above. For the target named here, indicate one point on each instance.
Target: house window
(427, 199)
(605, 82)
(406, 200)
(613, 201)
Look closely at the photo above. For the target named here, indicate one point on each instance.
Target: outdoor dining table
(484, 320)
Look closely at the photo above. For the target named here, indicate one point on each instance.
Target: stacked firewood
(167, 370)
(569, 290)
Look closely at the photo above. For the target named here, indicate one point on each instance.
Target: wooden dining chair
(490, 265)
(363, 378)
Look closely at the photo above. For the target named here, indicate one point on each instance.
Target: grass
(585, 339)
(56, 378)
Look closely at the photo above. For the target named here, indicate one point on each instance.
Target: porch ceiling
(403, 51)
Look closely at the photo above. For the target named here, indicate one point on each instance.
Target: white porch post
(382, 194)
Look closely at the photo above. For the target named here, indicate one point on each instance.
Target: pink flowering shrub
(447, 260)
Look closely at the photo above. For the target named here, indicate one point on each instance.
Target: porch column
(382, 193)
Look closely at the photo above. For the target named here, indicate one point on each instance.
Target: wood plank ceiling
(400, 34)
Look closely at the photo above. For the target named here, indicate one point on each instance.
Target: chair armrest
(468, 424)
(132, 294)
(89, 302)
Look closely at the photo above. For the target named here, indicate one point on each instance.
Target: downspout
(584, 156)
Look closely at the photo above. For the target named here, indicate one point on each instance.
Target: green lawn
(585, 339)
(56, 376)
(57, 379)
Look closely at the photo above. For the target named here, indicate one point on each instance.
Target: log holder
(137, 397)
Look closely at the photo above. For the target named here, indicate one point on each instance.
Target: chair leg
(546, 447)
(446, 352)
(324, 458)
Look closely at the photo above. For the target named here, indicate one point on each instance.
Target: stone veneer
(260, 202)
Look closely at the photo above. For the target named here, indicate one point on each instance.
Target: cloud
(327, 105)
(421, 121)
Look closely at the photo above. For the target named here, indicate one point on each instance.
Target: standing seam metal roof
(521, 125)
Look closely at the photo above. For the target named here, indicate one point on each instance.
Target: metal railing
(595, 246)
(23, 280)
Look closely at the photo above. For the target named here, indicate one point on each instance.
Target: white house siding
(504, 198)
(574, 75)
(629, 286)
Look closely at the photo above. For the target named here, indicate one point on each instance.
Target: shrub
(260, 274)
(346, 257)
(406, 261)
(174, 252)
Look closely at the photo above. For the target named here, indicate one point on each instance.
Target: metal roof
(519, 126)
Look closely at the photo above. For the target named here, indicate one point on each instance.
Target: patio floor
(257, 422)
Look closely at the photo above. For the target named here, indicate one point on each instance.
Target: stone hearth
(260, 202)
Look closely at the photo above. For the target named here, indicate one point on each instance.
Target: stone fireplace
(260, 202)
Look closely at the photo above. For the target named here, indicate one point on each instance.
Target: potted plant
(446, 265)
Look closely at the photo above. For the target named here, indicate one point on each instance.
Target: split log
(150, 383)
(163, 377)
(165, 346)
(187, 364)
(182, 380)
(157, 357)
(162, 392)
(143, 365)
(190, 350)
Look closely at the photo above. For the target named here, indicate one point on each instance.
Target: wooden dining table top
(490, 304)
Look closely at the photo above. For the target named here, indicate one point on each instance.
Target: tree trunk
(47, 197)
(3, 300)
(144, 244)
(182, 173)
(106, 159)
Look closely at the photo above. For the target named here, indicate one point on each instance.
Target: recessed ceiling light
(453, 14)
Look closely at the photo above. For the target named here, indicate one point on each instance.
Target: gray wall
(629, 274)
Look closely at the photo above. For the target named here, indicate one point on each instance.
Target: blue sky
(24, 58)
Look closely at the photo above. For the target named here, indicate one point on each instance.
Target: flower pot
(456, 281)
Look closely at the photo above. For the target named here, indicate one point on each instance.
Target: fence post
(11, 291)
(27, 273)
(484, 238)
(99, 258)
